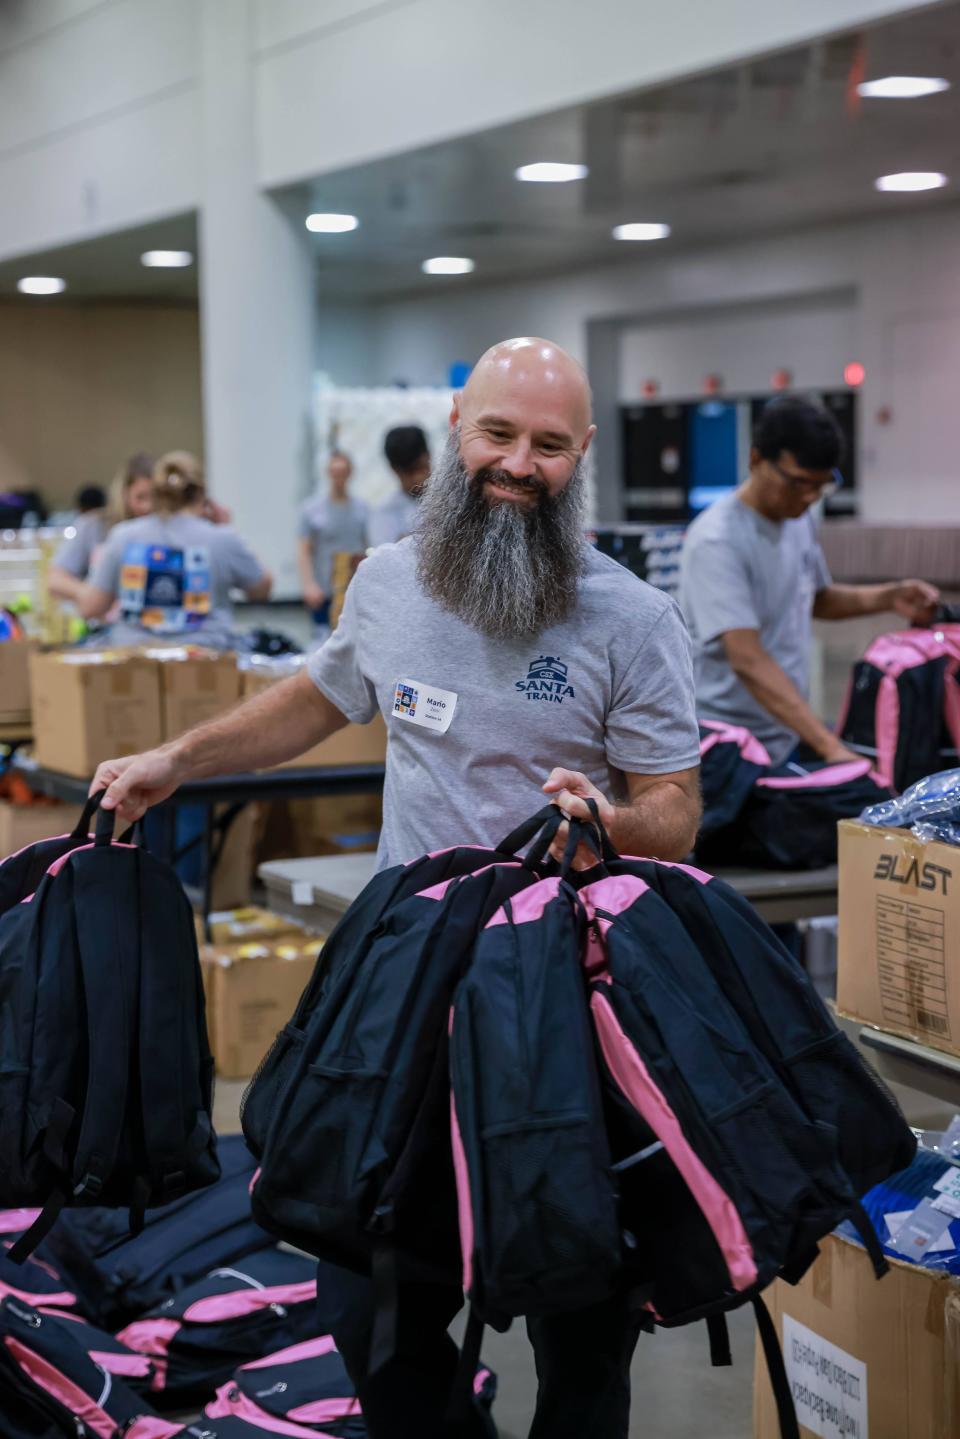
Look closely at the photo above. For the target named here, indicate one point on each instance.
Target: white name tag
(419, 704)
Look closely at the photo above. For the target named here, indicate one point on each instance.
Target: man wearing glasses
(753, 578)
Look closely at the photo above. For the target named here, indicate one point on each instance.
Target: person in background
(408, 455)
(753, 578)
(331, 523)
(172, 571)
(131, 495)
(90, 498)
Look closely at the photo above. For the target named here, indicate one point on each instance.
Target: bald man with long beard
(507, 657)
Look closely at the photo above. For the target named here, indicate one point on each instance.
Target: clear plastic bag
(930, 808)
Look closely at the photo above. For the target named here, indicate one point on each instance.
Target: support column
(257, 310)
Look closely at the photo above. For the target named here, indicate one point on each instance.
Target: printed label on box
(829, 1386)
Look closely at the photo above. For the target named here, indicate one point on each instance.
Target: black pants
(582, 1360)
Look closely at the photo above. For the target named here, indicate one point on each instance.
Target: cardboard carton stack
(254, 971)
(91, 705)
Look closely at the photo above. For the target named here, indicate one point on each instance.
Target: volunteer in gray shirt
(406, 452)
(131, 495)
(507, 658)
(331, 523)
(171, 572)
(753, 578)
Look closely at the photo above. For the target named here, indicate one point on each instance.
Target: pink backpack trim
(635, 1082)
(215, 1308)
(749, 746)
(63, 1300)
(528, 906)
(826, 778)
(74, 1399)
(152, 1337)
(151, 1426)
(462, 1175)
(308, 1349)
(12, 1221)
(231, 1401)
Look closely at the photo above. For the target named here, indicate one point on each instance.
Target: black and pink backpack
(107, 1071)
(51, 1385)
(790, 815)
(241, 1311)
(902, 708)
(731, 761)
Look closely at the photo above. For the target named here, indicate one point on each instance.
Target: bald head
(525, 412)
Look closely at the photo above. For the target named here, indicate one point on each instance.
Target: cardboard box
(246, 925)
(14, 681)
(251, 991)
(196, 685)
(23, 824)
(92, 705)
(333, 824)
(866, 1358)
(898, 964)
(355, 744)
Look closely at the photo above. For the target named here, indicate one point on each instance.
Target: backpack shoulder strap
(779, 1383)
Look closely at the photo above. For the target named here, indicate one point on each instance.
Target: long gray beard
(510, 571)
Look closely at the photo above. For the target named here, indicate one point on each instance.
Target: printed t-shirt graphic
(166, 588)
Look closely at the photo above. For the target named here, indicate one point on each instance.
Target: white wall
(905, 274)
(745, 344)
(344, 81)
(98, 118)
(101, 115)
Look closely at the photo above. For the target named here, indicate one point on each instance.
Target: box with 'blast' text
(899, 955)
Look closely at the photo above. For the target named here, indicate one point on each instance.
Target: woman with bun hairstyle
(131, 496)
(172, 571)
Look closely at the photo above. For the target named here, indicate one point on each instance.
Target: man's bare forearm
(661, 823)
(272, 727)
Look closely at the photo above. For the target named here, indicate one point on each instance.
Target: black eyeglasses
(822, 489)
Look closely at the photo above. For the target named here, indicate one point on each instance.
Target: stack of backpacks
(555, 1084)
(104, 1334)
(775, 816)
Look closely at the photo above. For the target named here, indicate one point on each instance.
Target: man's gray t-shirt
(394, 519)
(741, 571)
(75, 555)
(333, 527)
(173, 575)
(610, 689)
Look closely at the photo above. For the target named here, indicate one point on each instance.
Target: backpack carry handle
(520, 837)
(103, 833)
(82, 827)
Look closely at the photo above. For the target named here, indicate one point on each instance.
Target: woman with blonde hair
(172, 570)
(131, 495)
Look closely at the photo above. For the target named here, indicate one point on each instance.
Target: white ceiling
(777, 143)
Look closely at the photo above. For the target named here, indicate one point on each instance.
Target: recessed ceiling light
(166, 259)
(641, 232)
(912, 180)
(902, 87)
(41, 285)
(447, 265)
(550, 172)
(331, 224)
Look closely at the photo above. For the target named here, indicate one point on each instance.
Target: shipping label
(829, 1386)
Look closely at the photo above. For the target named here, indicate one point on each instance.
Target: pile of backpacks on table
(104, 1334)
(901, 714)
